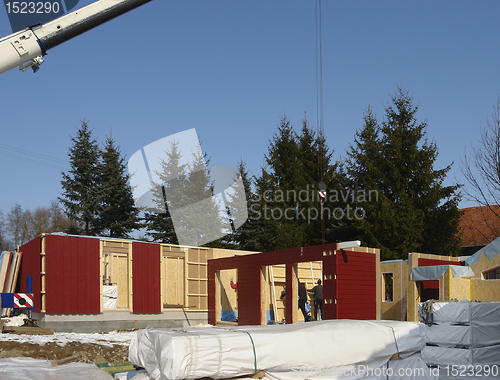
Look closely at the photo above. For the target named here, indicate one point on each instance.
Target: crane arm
(27, 47)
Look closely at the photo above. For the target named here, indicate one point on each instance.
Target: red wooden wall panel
(249, 291)
(30, 266)
(329, 287)
(146, 268)
(72, 280)
(430, 262)
(356, 285)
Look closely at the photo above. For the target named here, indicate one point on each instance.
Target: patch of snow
(103, 339)
(18, 320)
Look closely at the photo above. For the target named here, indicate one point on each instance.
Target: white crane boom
(27, 47)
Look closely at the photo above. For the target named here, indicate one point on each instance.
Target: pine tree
(413, 211)
(316, 159)
(159, 226)
(118, 216)
(202, 217)
(288, 207)
(242, 237)
(80, 195)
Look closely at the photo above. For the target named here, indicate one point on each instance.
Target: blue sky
(232, 69)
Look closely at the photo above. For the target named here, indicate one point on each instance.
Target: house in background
(479, 226)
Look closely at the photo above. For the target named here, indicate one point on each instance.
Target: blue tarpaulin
(436, 271)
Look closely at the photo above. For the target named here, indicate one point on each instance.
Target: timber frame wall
(350, 283)
(407, 293)
(69, 273)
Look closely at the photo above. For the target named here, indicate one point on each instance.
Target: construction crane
(27, 47)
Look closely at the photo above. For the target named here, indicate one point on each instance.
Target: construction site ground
(89, 348)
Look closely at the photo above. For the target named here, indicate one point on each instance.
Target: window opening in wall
(492, 274)
(388, 287)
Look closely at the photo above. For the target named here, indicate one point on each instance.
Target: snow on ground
(103, 339)
(18, 320)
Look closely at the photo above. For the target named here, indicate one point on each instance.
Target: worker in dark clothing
(303, 300)
(318, 300)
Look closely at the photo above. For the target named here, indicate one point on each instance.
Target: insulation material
(449, 336)
(110, 291)
(342, 345)
(475, 335)
(109, 303)
(109, 296)
(443, 356)
(34, 369)
(446, 313)
(481, 313)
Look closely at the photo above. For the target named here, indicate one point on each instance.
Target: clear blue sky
(232, 69)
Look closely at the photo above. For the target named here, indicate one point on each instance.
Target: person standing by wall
(302, 300)
(318, 300)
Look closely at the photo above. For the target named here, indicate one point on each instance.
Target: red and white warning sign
(322, 193)
(24, 300)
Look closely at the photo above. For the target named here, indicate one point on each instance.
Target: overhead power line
(33, 157)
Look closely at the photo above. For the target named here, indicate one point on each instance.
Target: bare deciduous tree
(482, 169)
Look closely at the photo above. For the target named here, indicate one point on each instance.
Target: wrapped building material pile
(463, 338)
(337, 349)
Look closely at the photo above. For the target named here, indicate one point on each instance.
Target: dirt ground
(86, 352)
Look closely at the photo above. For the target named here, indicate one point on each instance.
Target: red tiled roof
(480, 225)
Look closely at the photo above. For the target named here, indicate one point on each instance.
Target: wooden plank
(4, 269)
(64, 361)
(27, 330)
(226, 323)
(14, 273)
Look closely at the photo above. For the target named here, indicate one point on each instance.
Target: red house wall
(356, 285)
(72, 275)
(146, 268)
(30, 266)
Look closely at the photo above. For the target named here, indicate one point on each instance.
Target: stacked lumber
(9, 273)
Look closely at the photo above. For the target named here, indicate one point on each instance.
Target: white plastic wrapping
(410, 368)
(279, 350)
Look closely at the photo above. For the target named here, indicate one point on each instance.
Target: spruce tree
(203, 217)
(413, 211)
(118, 216)
(159, 226)
(242, 237)
(80, 197)
(287, 190)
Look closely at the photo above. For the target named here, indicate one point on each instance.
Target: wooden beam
(273, 295)
(263, 298)
(27, 330)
